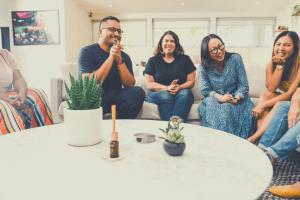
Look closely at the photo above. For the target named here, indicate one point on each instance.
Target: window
(190, 31)
(246, 32)
(134, 32)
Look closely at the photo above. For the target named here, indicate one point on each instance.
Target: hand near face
(115, 51)
(257, 111)
(283, 49)
(279, 60)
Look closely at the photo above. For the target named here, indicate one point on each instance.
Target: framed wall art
(36, 27)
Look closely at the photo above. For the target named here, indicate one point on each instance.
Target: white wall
(78, 30)
(39, 63)
(284, 18)
(4, 14)
(254, 55)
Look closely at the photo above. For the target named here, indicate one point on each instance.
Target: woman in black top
(170, 75)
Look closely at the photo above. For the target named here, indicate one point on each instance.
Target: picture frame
(36, 27)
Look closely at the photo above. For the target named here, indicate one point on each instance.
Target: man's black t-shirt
(92, 58)
(164, 73)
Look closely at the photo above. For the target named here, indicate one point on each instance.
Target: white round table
(37, 164)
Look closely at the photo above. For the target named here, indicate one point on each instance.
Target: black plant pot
(174, 149)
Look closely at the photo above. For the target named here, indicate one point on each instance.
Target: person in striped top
(16, 98)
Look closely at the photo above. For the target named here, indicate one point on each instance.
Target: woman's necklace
(220, 66)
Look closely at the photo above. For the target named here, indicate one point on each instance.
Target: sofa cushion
(140, 81)
(256, 74)
(254, 100)
(148, 111)
(67, 69)
(138, 71)
(196, 90)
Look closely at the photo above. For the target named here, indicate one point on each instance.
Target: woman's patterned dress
(235, 119)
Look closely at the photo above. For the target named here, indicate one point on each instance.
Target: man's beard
(110, 42)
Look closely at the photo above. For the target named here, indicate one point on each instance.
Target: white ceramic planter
(84, 127)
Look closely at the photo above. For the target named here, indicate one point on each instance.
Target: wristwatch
(279, 66)
(120, 62)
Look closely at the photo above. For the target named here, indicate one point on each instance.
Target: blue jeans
(279, 140)
(169, 105)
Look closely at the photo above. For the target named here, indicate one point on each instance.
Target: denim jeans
(279, 140)
(128, 101)
(169, 105)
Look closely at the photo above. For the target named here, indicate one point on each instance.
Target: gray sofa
(255, 72)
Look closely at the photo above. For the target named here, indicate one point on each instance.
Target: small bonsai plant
(85, 94)
(172, 132)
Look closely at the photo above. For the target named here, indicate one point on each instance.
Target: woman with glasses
(170, 75)
(282, 78)
(226, 105)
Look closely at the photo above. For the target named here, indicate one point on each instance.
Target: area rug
(284, 173)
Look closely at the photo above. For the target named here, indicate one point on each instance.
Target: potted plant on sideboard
(174, 143)
(83, 118)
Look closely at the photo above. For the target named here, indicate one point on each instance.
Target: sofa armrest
(56, 85)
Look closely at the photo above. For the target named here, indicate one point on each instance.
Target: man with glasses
(108, 61)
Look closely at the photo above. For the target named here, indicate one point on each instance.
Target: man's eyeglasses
(221, 47)
(113, 29)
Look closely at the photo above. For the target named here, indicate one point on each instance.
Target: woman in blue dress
(226, 105)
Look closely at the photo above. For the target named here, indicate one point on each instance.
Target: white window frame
(122, 20)
(136, 19)
(178, 19)
(240, 19)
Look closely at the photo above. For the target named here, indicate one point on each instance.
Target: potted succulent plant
(174, 143)
(83, 118)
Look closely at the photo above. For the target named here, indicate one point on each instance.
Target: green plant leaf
(80, 91)
(99, 91)
(69, 104)
(92, 97)
(161, 137)
(162, 130)
(81, 82)
(89, 89)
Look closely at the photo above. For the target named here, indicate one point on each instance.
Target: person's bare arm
(294, 111)
(19, 82)
(126, 77)
(152, 85)
(284, 96)
(103, 70)
(190, 81)
(20, 86)
(273, 78)
(4, 97)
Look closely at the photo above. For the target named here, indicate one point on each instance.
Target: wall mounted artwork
(35, 27)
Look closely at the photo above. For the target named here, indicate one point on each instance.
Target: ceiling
(171, 6)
